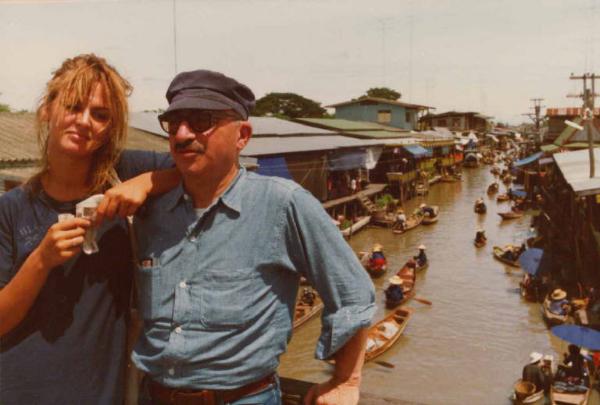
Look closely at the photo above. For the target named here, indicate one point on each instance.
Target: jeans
(268, 396)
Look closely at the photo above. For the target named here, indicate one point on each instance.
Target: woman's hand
(62, 241)
(333, 393)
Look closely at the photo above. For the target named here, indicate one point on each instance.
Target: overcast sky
(487, 56)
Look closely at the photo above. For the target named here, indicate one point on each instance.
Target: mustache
(189, 145)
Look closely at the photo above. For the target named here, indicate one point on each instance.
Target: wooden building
(458, 121)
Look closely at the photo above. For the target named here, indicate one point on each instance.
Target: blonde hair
(72, 84)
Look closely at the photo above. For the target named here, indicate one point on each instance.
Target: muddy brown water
(469, 347)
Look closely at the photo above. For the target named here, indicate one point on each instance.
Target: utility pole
(587, 113)
(536, 115)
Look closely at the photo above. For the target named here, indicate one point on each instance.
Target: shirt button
(182, 284)
(171, 371)
(178, 329)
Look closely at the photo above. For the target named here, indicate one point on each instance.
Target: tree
(383, 92)
(288, 105)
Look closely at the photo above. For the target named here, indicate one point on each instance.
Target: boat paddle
(423, 301)
(385, 364)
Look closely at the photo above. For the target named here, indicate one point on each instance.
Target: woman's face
(79, 130)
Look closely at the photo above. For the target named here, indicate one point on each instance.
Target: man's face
(206, 143)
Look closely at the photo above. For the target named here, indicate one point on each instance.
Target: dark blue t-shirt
(70, 348)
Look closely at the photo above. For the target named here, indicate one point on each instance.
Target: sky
(465, 55)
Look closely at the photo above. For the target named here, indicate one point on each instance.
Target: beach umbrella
(530, 260)
(578, 335)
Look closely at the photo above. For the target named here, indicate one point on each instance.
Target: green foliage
(346, 223)
(4, 108)
(385, 201)
(288, 105)
(383, 92)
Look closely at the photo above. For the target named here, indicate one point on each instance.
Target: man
(426, 210)
(533, 373)
(220, 261)
(400, 220)
(421, 257)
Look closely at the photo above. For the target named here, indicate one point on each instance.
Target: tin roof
(276, 145)
(376, 100)
(19, 139)
(575, 168)
(338, 124)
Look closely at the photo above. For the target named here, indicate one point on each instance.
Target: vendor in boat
(558, 302)
(400, 220)
(509, 253)
(479, 202)
(573, 368)
(480, 236)
(534, 373)
(377, 259)
(421, 258)
(308, 296)
(395, 291)
(427, 211)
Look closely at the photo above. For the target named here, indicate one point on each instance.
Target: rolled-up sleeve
(135, 162)
(319, 252)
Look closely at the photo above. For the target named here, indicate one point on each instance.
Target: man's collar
(232, 197)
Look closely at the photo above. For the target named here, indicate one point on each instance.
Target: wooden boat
(386, 332)
(551, 318)
(374, 271)
(305, 311)
(498, 251)
(449, 179)
(502, 197)
(493, 188)
(479, 244)
(537, 398)
(412, 222)
(427, 220)
(480, 208)
(435, 179)
(558, 397)
(409, 279)
(511, 214)
(359, 224)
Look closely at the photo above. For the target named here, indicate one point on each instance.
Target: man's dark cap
(207, 90)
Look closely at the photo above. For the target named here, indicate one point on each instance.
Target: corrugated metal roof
(19, 140)
(575, 168)
(275, 145)
(340, 124)
(380, 101)
(17, 136)
(261, 126)
(378, 134)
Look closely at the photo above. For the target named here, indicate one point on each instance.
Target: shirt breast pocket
(148, 291)
(227, 297)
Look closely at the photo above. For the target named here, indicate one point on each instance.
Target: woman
(63, 314)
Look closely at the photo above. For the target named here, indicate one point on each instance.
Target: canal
(469, 347)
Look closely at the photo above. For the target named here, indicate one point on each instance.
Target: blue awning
(528, 159)
(519, 193)
(347, 160)
(274, 166)
(417, 151)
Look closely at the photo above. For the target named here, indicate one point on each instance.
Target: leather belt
(162, 395)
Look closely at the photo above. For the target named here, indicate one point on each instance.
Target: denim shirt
(217, 291)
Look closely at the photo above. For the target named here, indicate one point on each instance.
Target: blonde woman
(63, 314)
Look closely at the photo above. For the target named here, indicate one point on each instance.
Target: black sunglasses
(200, 122)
